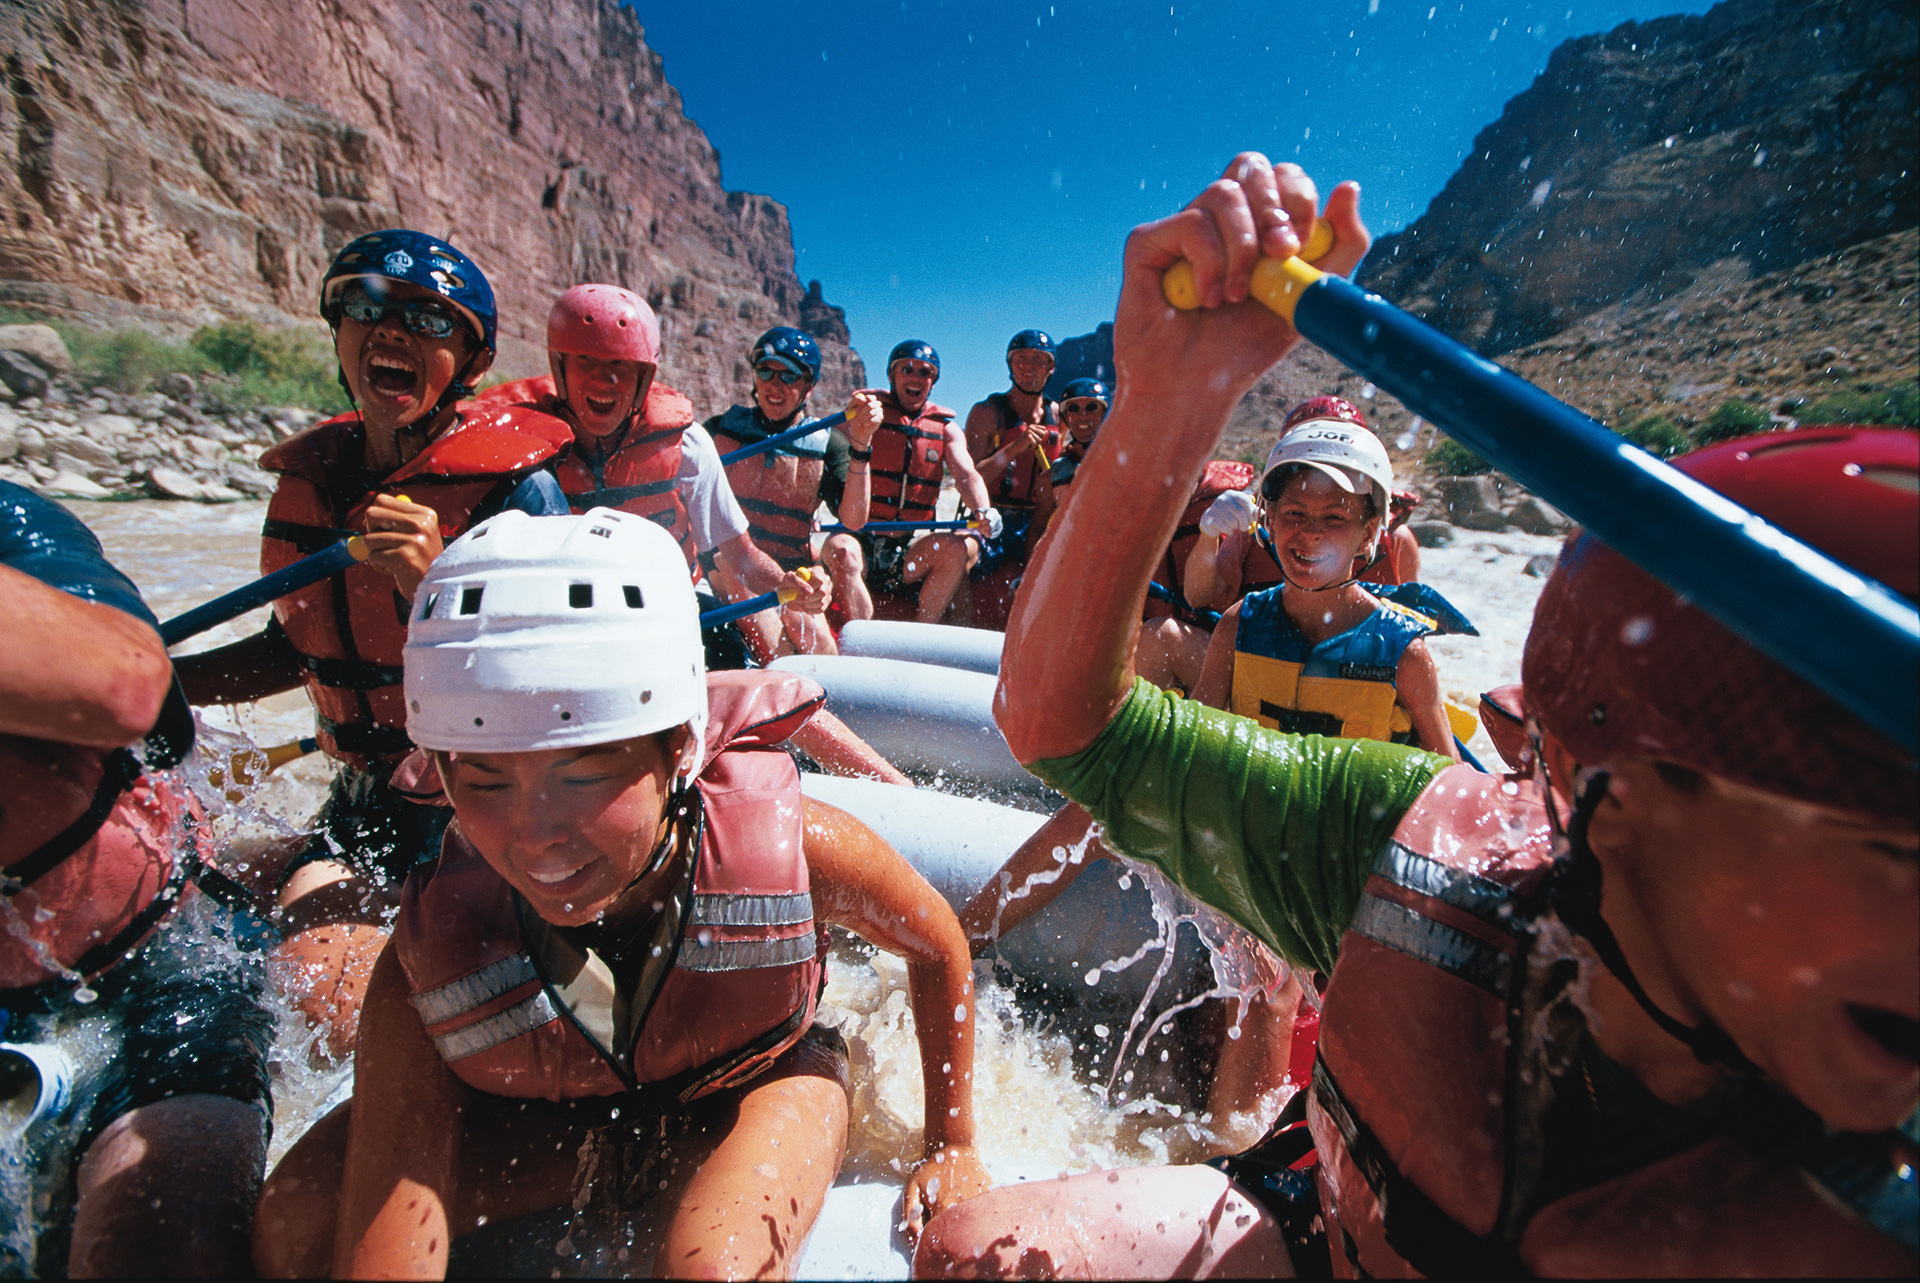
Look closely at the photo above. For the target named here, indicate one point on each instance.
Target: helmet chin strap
(1574, 891)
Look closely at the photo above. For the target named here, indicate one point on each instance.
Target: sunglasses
(919, 370)
(1083, 407)
(768, 373)
(428, 320)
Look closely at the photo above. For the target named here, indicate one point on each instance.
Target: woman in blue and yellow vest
(1319, 653)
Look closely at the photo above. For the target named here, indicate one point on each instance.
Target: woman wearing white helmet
(617, 958)
(1318, 653)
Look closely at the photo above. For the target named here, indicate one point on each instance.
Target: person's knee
(173, 1181)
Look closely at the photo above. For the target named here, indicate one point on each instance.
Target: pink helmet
(1617, 665)
(604, 321)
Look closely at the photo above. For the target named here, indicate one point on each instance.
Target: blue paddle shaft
(774, 442)
(1849, 636)
(739, 610)
(895, 527)
(307, 570)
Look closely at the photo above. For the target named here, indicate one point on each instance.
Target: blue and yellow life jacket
(1343, 686)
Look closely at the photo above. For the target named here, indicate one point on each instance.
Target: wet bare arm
(1033, 877)
(1416, 685)
(856, 497)
(241, 672)
(1215, 687)
(76, 671)
(403, 1144)
(864, 885)
(973, 490)
(832, 744)
(1071, 639)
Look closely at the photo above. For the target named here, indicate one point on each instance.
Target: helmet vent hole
(580, 596)
(470, 600)
(646, 697)
(565, 716)
(479, 721)
(603, 531)
(426, 610)
(632, 592)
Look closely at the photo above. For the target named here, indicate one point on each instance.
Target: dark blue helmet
(1031, 340)
(1085, 389)
(913, 350)
(793, 348)
(417, 259)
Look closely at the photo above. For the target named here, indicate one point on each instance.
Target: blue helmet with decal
(1086, 390)
(792, 348)
(1031, 341)
(914, 350)
(417, 259)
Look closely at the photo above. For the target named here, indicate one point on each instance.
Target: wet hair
(1275, 484)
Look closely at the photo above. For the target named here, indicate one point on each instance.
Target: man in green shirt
(1619, 1018)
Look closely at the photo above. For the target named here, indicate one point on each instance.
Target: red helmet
(1618, 665)
(1339, 409)
(604, 321)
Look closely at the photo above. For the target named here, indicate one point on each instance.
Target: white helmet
(1346, 452)
(555, 632)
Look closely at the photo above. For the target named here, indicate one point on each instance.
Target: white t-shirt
(716, 516)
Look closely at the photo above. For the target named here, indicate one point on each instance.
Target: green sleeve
(833, 478)
(1279, 832)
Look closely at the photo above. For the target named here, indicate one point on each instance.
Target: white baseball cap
(1351, 455)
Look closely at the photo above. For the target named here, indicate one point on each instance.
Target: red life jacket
(1444, 1140)
(641, 475)
(519, 1010)
(1017, 484)
(100, 853)
(909, 452)
(779, 488)
(1221, 475)
(349, 629)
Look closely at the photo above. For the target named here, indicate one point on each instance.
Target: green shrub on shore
(1898, 406)
(1731, 419)
(269, 367)
(239, 364)
(1658, 435)
(1449, 458)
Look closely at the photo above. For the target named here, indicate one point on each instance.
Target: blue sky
(959, 171)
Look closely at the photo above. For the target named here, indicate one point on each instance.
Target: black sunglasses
(768, 373)
(428, 320)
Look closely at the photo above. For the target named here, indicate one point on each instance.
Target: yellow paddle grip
(1277, 282)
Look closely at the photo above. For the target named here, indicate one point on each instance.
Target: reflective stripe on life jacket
(909, 454)
(1342, 686)
(780, 488)
(640, 475)
(730, 968)
(348, 630)
(120, 844)
(1017, 484)
(1504, 1165)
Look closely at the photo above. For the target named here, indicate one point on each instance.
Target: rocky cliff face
(169, 164)
(1676, 214)
(1765, 131)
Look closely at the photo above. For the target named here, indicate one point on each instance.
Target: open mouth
(600, 406)
(1898, 1034)
(391, 376)
(554, 879)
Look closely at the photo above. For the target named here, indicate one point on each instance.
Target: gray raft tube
(933, 722)
(958, 845)
(975, 649)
